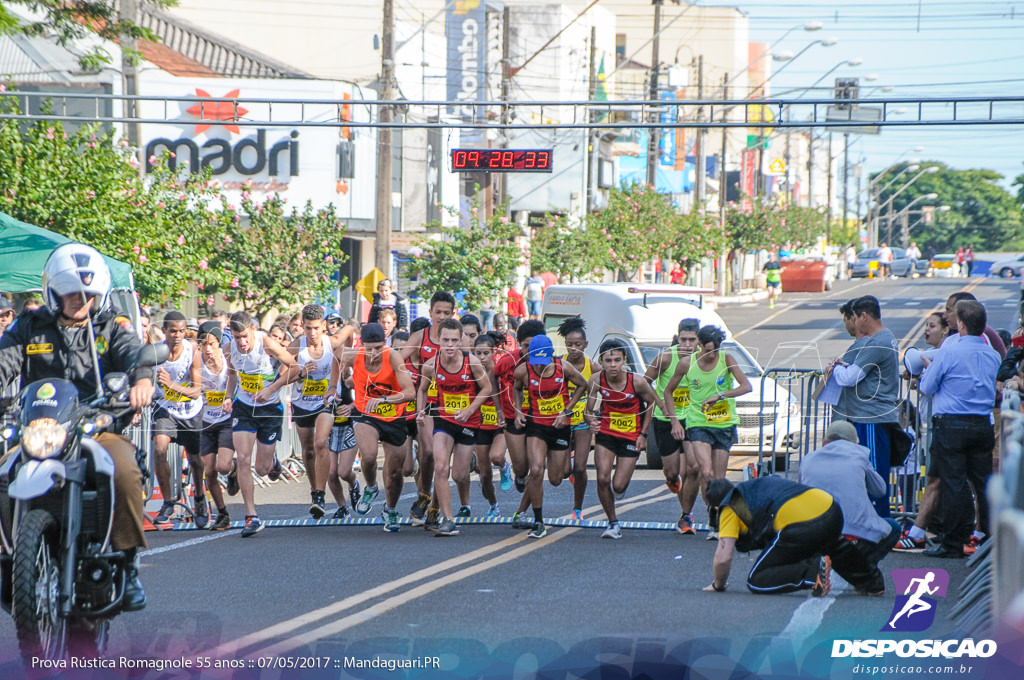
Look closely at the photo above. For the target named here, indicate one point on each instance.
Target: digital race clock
(501, 160)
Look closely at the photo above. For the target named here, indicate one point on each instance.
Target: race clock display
(501, 160)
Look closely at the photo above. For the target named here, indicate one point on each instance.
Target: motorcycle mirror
(115, 382)
(151, 355)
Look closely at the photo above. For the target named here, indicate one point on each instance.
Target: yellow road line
(791, 306)
(915, 333)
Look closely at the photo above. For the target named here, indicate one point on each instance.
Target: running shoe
(201, 515)
(165, 514)
(506, 476)
(253, 526)
(316, 507)
(577, 514)
(823, 583)
(447, 528)
(275, 472)
(520, 484)
(418, 510)
(613, 531)
(432, 519)
(712, 535)
(972, 546)
(493, 513)
(222, 523)
(675, 486)
(354, 493)
(685, 524)
(538, 531)
(391, 523)
(341, 512)
(908, 544)
(521, 521)
(464, 511)
(366, 500)
(232, 486)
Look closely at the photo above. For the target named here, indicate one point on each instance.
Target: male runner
(490, 440)
(381, 387)
(215, 440)
(547, 381)
(471, 330)
(178, 416)
(462, 387)
(682, 474)
(311, 414)
(342, 445)
(621, 427)
(256, 409)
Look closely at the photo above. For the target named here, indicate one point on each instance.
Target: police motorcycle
(62, 582)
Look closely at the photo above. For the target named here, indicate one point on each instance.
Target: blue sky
(931, 48)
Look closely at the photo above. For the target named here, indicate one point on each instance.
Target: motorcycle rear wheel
(41, 632)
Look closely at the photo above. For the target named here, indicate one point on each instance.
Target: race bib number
(718, 413)
(489, 416)
(432, 390)
(386, 410)
(551, 407)
(577, 412)
(340, 420)
(170, 394)
(250, 383)
(626, 423)
(681, 397)
(215, 398)
(526, 400)
(453, 403)
(314, 388)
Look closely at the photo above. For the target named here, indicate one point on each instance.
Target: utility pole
(828, 197)
(129, 11)
(810, 168)
(653, 133)
(700, 150)
(506, 88)
(846, 175)
(723, 187)
(382, 250)
(591, 150)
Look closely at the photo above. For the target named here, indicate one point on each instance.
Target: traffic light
(847, 88)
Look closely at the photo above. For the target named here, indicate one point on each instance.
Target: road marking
(430, 587)
(914, 334)
(186, 544)
(232, 647)
(792, 306)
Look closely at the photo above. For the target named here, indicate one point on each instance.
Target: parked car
(1007, 269)
(867, 264)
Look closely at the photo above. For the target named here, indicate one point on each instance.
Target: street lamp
(931, 170)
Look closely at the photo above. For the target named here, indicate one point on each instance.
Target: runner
(312, 416)
(399, 339)
(682, 474)
(256, 409)
(462, 387)
(380, 384)
(215, 442)
(342, 445)
(547, 429)
(773, 274)
(515, 435)
(422, 347)
(573, 330)
(178, 416)
(419, 507)
(471, 330)
(711, 416)
(621, 426)
(490, 440)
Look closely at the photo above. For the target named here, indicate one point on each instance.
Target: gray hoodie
(844, 470)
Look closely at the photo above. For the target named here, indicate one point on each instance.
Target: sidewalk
(744, 296)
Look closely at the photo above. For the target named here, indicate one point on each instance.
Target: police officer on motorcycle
(54, 342)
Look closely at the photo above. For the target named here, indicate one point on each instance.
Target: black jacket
(756, 502)
(37, 348)
(400, 311)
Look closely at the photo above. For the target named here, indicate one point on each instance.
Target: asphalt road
(493, 603)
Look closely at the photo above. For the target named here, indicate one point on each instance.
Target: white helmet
(75, 268)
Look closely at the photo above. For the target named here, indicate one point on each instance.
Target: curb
(742, 298)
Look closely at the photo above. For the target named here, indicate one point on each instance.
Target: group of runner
(471, 400)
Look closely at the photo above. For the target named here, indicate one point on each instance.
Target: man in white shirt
(885, 260)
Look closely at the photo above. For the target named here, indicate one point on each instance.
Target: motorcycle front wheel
(41, 632)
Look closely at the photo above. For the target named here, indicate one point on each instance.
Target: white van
(645, 317)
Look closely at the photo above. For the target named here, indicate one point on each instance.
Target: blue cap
(541, 350)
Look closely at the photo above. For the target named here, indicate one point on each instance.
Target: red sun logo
(217, 109)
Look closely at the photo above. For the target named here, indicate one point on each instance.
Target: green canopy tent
(23, 252)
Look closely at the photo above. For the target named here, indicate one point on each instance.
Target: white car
(1007, 269)
(645, 318)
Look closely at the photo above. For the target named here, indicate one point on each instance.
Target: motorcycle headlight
(43, 438)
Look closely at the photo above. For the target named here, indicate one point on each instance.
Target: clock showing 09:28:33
(501, 160)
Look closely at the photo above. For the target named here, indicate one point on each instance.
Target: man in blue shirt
(962, 382)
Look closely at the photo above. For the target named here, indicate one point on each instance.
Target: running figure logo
(915, 608)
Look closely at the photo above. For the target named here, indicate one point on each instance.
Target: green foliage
(272, 259)
(982, 212)
(479, 257)
(71, 21)
(561, 246)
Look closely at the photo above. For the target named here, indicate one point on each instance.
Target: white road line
(187, 544)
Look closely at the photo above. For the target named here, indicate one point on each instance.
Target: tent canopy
(23, 252)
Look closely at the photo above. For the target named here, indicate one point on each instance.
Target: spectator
(334, 322)
(6, 315)
(991, 335)
(914, 254)
(799, 531)
(516, 308)
(929, 254)
(386, 298)
(388, 321)
(869, 376)
(501, 326)
(969, 259)
(843, 469)
(962, 382)
(885, 260)
(31, 303)
(850, 257)
(533, 292)
(678, 276)
(961, 257)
